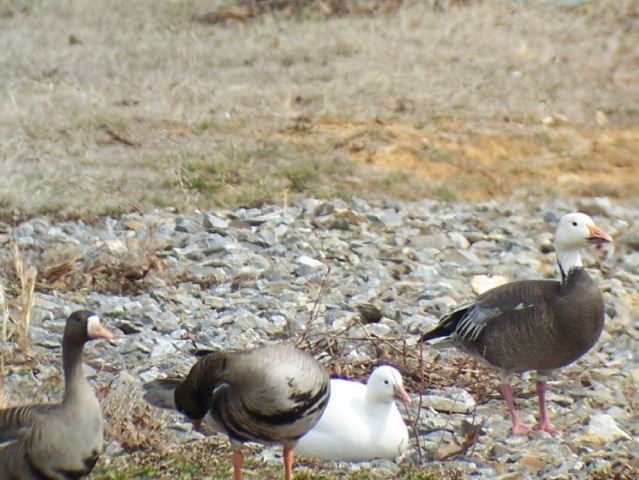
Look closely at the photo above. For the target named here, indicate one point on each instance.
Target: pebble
(450, 400)
(604, 428)
(244, 277)
(483, 283)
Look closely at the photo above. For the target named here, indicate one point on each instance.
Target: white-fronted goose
(535, 324)
(273, 394)
(361, 422)
(57, 442)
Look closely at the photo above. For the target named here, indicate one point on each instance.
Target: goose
(361, 422)
(57, 441)
(536, 325)
(272, 394)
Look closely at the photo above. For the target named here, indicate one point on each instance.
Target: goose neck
(74, 380)
(568, 260)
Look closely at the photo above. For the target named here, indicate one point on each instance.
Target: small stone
(483, 283)
(166, 322)
(213, 222)
(308, 265)
(391, 219)
(604, 428)
(450, 400)
(458, 240)
(183, 224)
(163, 347)
(369, 313)
(435, 240)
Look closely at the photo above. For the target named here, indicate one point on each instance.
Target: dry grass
(114, 266)
(4, 336)
(245, 10)
(114, 106)
(26, 276)
(130, 421)
(16, 312)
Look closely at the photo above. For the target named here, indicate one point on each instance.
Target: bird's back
(273, 394)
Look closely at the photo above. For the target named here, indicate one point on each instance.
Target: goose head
(574, 231)
(385, 384)
(193, 402)
(83, 326)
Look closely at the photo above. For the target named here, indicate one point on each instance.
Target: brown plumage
(273, 394)
(534, 324)
(57, 441)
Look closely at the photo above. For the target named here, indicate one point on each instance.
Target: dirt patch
(496, 160)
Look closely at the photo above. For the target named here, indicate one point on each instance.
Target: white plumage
(361, 422)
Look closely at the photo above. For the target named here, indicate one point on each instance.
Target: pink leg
(544, 423)
(518, 427)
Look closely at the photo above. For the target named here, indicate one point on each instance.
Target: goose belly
(519, 351)
(60, 452)
(356, 435)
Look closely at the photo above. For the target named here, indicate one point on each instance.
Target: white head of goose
(57, 441)
(273, 394)
(535, 324)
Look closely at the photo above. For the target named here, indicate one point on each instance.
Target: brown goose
(57, 442)
(534, 324)
(273, 394)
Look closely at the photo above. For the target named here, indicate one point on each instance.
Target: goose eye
(574, 224)
(385, 382)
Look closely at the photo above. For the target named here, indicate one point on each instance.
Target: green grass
(217, 466)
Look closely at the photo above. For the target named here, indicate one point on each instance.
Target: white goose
(361, 422)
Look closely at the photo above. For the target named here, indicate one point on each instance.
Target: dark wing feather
(276, 393)
(513, 327)
(516, 300)
(15, 419)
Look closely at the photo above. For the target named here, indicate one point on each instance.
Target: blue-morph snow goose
(273, 394)
(57, 442)
(535, 324)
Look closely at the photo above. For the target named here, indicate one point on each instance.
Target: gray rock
(184, 224)
(451, 400)
(214, 223)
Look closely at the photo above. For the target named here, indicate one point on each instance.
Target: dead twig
(118, 137)
(303, 340)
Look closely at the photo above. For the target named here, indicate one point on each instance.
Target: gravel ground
(356, 282)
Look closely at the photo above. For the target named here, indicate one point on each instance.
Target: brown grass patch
(245, 10)
(129, 420)
(458, 96)
(16, 311)
(112, 266)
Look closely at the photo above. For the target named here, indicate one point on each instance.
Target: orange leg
(288, 463)
(238, 458)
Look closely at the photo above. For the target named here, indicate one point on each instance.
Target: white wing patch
(522, 306)
(476, 318)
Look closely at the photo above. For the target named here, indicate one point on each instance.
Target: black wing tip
(433, 334)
